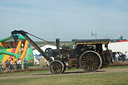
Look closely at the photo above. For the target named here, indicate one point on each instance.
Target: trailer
(87, 54)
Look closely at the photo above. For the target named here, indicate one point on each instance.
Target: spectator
(126, 55)
(19, 63)
(22, 66)
(11, 64)
(1, 66)
(116, 56)
(25, 64)
(7, 64)
(15, 65)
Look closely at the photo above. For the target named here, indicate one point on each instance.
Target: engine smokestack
(58, 44)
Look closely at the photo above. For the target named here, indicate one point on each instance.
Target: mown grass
(69, 78)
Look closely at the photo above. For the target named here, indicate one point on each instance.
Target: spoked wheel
(90, 61)
(56, 67)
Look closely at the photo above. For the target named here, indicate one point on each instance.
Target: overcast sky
(65, 19)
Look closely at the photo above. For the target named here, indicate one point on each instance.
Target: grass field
(108, 76)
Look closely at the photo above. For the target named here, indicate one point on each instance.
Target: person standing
(22, 66)
(11, 64)
(1, 66)
(19, 63)
(126, 55)
(25, 64)
(116, 56)
(7, 64)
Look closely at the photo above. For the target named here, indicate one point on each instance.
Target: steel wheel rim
(56, 67)
(90, 61)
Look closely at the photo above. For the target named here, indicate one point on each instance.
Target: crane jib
(30, 40)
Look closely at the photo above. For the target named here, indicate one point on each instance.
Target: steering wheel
(49, 52)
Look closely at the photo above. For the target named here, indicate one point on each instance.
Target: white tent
(119, 46)
(37, 55)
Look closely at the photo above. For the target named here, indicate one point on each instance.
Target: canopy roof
(92, 41)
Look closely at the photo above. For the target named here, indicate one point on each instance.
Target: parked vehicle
(121, 56)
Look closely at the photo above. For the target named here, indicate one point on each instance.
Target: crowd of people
(11, 65)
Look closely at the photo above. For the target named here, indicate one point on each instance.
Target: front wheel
(56, 67)
(90, 61)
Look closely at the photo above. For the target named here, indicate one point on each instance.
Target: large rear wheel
(90, 61)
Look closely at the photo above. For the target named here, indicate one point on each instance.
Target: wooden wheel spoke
(92, 58)
(85, 61)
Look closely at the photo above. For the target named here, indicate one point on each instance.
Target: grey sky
(65, 19)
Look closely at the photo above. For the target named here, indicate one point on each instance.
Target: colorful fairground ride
(9, 49)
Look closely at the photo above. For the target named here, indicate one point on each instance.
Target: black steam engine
(87, 54)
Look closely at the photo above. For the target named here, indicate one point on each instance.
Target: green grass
(117, 67)
(107, 76)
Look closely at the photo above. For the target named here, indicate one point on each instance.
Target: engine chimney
(58, 44)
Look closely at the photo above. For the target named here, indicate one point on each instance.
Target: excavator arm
(15, 36)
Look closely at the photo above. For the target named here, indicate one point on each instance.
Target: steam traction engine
(87, 54)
